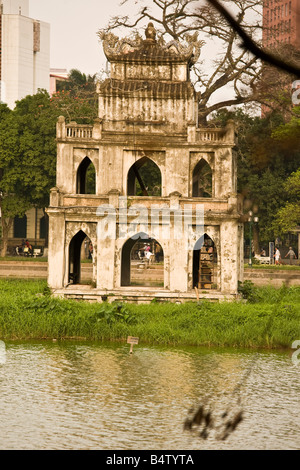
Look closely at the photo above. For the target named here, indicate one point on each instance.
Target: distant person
(277, 256)
(291, 254)
(28, 248)
(263, 252)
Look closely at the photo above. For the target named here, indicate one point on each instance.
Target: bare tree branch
(250, 45)
(231, 65)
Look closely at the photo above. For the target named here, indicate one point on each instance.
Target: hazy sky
(74, 24)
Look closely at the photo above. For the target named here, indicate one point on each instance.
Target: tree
(78, 80)
(28, 152)
(288, 216)
(77, 96)
(232, 66)
(289, 65)
(266, 157)
(27, 158)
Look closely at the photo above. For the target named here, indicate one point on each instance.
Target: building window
(144, 178)
(43, 227)
(20, 227)
(86, 177)
(202, 180)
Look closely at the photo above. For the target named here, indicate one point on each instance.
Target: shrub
(115, 312)
(248, 291)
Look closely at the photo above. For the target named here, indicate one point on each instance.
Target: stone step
(136, 294)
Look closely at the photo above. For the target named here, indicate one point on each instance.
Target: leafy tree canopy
(266, 159)
(28, 151)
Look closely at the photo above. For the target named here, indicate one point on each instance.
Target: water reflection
(89, 396)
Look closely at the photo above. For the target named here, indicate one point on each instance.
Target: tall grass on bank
(269, 318)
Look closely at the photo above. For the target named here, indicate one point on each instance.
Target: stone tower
(161, 183)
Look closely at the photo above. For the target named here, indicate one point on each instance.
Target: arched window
(86, 177)
(202, 180)
(142, 262)
(205, 264)
(77, 252)
(20, 227)
(144, 178)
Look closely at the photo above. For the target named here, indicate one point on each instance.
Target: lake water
(79, 395)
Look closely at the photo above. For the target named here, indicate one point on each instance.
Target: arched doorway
(86, 177)
(142, 262)
(205, 264)
(144, 178)
(80, 249)
(202, 180)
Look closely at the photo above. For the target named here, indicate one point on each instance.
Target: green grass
(284, 267)
(269, 319)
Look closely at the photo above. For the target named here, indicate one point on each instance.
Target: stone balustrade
(83, 132)
(210, 135)
(74, 131)
(79, 131)
(218, 136)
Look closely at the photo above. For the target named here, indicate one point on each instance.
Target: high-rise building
(281, 34)
(281, 22)
(24, 52)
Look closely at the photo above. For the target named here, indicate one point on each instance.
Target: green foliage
(76, 97)
(115, 312)
(28, 147)
(81, 108)
(27, 154)
(151, 177)
(268, 153)
(248, 291)
(90, 180)
(269, 318)
(288, 216)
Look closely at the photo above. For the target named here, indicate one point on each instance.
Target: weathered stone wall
(147, 110)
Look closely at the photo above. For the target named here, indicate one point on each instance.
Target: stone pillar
(230, 262)
(97, 129)
(54, 197)
(56, 252)
(178, 252)
(230, 132)
(106, 263)
(61, 128)
(106, 241)
(178, 256)
(191, 132)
